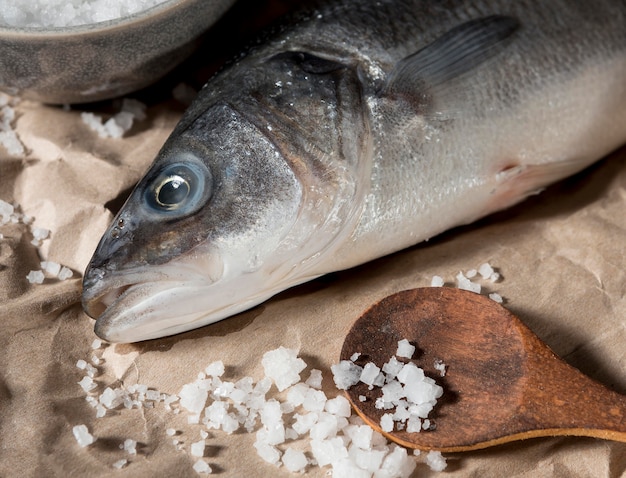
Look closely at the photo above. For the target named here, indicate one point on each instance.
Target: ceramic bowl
(103, 60)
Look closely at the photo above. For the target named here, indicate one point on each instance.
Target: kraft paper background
(562, 256)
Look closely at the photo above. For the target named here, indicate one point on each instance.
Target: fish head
(199, 235)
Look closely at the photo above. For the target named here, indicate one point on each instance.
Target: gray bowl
(103, 60)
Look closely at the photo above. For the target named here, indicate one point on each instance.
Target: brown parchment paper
(562, 256)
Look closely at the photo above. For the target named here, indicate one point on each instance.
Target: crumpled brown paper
(562, 256)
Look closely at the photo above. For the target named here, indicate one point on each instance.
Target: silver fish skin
(366, 128)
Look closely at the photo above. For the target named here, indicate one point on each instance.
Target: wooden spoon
(502, 382)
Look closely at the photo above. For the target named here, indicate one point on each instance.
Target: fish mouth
(147, 302)
(145, 310)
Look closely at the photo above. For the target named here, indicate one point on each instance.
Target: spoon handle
(561, 400)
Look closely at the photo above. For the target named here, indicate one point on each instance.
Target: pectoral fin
(426, 73)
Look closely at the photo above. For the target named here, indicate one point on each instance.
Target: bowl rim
(159, 10)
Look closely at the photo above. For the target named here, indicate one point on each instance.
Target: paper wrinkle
(563, 272)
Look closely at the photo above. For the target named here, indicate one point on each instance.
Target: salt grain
(197, 448)
(130, 446)
(466, 284)
(345, 374)
(118, 124)
(202, 467)
(315, 379)
(294, 460)
(52, 268)
(215, 369)
(436, 461)
(405, 349)
(87, 384)
(386, 422)
(496, 297)
(82, 435)
(35, 277)
(96, 344)
(65, 273)
(436, 281)
(119, 464)
(283, 366)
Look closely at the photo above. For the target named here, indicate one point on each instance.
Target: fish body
(366, 128)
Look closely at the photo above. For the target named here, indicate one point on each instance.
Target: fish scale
(364, 129)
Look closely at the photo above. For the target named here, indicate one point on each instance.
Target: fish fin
(417, 77)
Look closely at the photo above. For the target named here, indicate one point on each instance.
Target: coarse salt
(405, 349)
(63, 13)
(82, 435)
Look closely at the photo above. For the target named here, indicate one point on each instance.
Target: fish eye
(172, 191)
(179, 189)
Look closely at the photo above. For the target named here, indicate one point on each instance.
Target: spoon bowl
(502, 383)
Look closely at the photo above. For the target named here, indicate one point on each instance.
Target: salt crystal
(193, 398)
(414, 424)
(326, 426)
(339, 406)
(392, 367)
(283, 366)
(405, 349)
(366, 458)
(355, 356)
(496, 297)
(297, 393)
(346, 374)
(130, 446)
(101, 411)
(436, 281)
(52, 268)
(398, 464)
(136, 108)
(40, 233)
(294, 460)
(268, 452)
(441, 367)
(466, 284)
(315, 379)
(82, 435)
(215, 369)
(110, 398)
(347, 468)
(87, 384)
(81, 364)
(370, 373)
(314, 401)
(202, 467)
(197, 448)
(119, 464)
(361, 435)
(304, 422)
(470, 274)
(328, 451)
(96, 344)
(485, 270)
(65, 273)
(386, 422)
(35, 277)
(436, 461)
